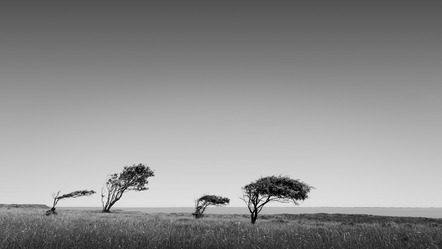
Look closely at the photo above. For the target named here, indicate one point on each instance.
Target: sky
(345, 96)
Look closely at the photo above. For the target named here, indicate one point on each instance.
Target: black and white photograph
(221, 124)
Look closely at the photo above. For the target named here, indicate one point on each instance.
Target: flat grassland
(28, 227)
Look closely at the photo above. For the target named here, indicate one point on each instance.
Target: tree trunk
(254, 216)
(198, 215)
(107, 207)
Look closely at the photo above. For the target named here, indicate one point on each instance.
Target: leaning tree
(208, 200)
(74, 194)
(273, 188)
(131, 178)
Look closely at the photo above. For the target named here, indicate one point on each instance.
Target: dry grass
(30, 228)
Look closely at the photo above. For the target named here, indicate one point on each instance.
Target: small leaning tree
(131, 178)
(74, 194)
(208, 200)
(273, 188)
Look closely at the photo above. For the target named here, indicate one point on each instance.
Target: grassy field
(30, 228)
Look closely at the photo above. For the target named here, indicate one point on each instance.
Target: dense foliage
(208, 200)
(273, 188)
(133, 177)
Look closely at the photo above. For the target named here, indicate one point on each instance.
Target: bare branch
(74, 194)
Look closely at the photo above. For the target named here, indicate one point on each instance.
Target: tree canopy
(273, 188)
(208, 200)
(133, 177)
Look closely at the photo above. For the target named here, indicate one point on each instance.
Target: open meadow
(28, 227)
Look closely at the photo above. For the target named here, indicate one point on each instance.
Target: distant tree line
(255, 194)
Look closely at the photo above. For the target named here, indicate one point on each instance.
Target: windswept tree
(273, 188)
(208, 200)
(131, 178)
(74, 194)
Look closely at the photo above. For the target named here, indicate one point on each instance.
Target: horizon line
(246, 207)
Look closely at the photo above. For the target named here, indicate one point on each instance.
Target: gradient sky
(346, 96)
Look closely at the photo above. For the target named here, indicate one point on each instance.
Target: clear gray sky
(346, 97)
